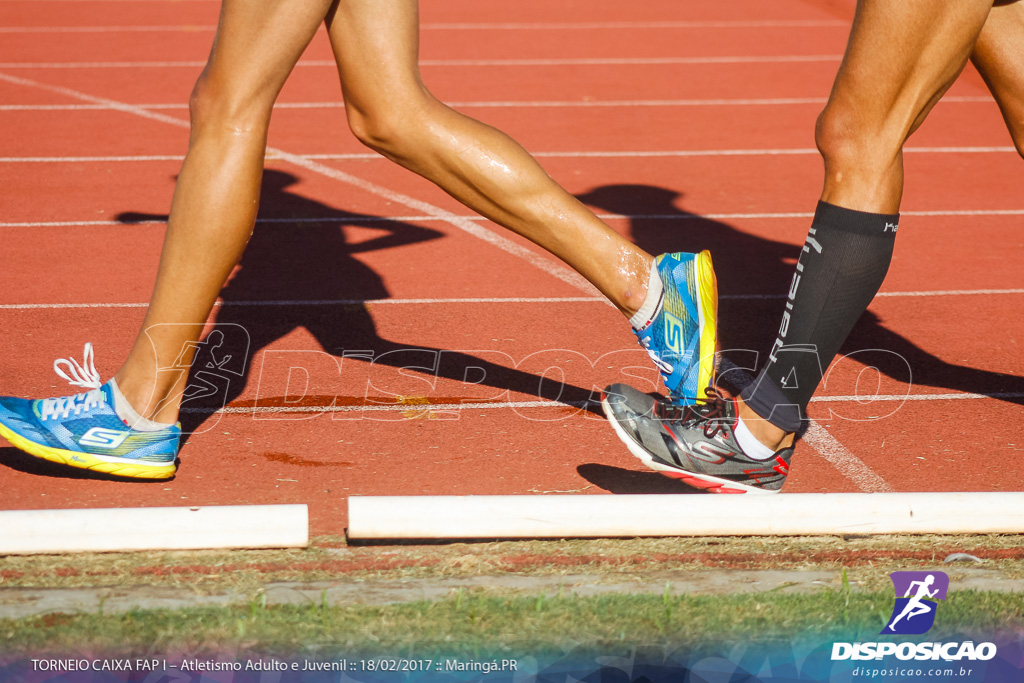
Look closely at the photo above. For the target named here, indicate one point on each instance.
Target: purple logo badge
(916, 593)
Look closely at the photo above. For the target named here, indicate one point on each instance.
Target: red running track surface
(687, 125)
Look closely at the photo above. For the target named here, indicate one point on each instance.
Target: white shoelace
(664, 366)
(80, 375)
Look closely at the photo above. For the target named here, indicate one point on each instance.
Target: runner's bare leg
(901, 57)
(217, 194)
(390, 109)
(997, 58)
(215, 200)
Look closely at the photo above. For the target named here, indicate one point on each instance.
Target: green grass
(213, 571)
(489, 621)
(471, 624)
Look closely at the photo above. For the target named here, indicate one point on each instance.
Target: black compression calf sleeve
(841, 267)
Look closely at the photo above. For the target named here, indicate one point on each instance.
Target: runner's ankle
(764, 431)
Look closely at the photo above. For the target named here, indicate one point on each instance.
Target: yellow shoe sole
(87, 461)
(707, 302)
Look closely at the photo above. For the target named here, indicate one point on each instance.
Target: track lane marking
(561, 299)
(328, 302)
(955, 396)
(400, 407)
(577, 61)
(357, 219)
(511, 104)
(478, 26)
(827, 446)
(845, 462)
(638, 154)
(543, 263)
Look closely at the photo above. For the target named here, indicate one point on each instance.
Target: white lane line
(190, 64)
(848, 464)
(401, 407)
(93, 1)
(332, 302)
(494, 239)
(806, 214)
(798, 151)
(485, 300)
(944, 292)
(273, 155)
(953, 292)
(153, 2)
(841, 458)
(32, 307)
(106, 29)
(512, 104)
(561, 26)
(109, 104)
(464, 26)
(578, 61)
(543, 263)
(695, 102)
(359, 220)
(816, 436)
(915, 397)
(82, 107)
(92, 160)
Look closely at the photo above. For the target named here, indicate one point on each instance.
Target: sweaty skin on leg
(216, 197)
(901, 57)
(390, 110)
(217, 193)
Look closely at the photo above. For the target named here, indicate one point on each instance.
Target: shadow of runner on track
(624, 481)
(751, 266)
(748, 265)
(21, 461)
(310, 259)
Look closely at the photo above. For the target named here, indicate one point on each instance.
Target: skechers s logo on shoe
(701, 450)
(709, 452)
(103, 438)
(674, 333)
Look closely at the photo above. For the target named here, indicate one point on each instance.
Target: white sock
(131, 418)
(651, 302)
(752, 448)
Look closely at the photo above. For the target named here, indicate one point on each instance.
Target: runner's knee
(215, 109)
(375, 129)
(851, 146)
(394, 131)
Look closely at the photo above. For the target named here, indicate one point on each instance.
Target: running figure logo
(914, 612)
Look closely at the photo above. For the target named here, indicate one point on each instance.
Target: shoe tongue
(719, 409)
(107, 394)
(728, 408)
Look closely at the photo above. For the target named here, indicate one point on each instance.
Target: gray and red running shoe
(693, 443)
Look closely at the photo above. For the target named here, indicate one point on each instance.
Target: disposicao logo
(914, 612)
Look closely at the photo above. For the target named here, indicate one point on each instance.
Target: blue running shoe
(682, 336)
(84, 431)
